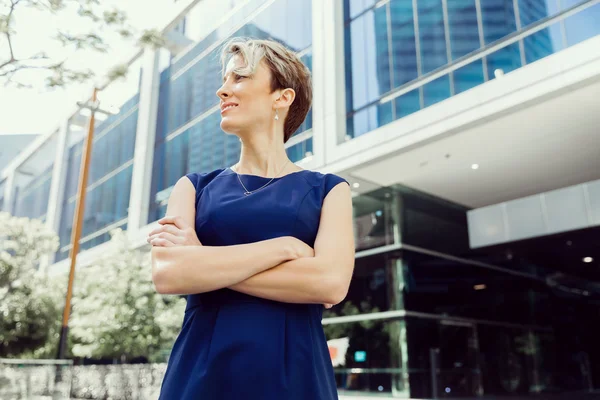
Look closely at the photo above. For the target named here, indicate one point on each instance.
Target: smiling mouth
(229, 107)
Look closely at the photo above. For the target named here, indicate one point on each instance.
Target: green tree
(117, 312)
(99, 24)
(28, 310)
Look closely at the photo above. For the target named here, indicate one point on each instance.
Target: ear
(285, 99)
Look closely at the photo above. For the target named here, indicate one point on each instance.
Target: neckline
(262, 177)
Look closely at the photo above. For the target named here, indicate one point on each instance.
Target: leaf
(119, 71)
(151, 38)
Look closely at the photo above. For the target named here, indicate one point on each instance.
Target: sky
(39, 110)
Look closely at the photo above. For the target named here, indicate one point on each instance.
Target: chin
(229, 126)
(232, 126)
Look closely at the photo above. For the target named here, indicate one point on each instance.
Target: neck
(263, 155)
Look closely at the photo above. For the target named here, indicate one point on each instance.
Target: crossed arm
(282, 269)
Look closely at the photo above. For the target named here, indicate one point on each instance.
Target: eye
(238, 77)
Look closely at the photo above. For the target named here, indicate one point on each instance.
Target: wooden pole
(78, 222)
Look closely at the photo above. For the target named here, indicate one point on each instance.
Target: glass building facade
(392, 45)
(426, 316)
(31, 199)
(109, 180)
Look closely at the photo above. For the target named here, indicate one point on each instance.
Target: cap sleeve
(330, 182)
(201, 179)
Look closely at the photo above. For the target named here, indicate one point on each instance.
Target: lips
(227, 106)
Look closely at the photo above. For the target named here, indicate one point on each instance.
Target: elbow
(336, 295)
(335, 291)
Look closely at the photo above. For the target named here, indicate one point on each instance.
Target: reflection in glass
(506, 59)
(543, 43)
(432, 35)
(369, 66)
(498, 19)
(468, 77)
(404, 51)
(436, 91)
(462, 24)
(583, 25)
(31, 200)
(531, 11)
(367, 356)
(408, 103)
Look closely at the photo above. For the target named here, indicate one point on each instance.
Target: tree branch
(13, 4)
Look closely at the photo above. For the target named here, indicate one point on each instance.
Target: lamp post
(78, 218)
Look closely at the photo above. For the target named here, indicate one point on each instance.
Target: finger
(161, 243)
(165, 228)
(168, 236)
(175, 220)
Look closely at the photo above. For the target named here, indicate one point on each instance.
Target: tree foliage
(28, 310)
(117, 312)
(101, 23)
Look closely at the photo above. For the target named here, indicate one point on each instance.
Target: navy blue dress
(234, 346)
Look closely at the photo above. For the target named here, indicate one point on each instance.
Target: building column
(57, 188)
(9, 192)
(143, 156)
(332, 87)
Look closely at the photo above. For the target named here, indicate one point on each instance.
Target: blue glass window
(583, 25)
(432, 36)
(468, 76)
(355, 7)
(543, 43)
(404, 50)
(498, 19)
(370, 67)
(408, 103)
(463, 27)
(436, 91)
(531, 11)
(506, 59)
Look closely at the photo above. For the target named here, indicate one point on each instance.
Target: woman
(259, 248)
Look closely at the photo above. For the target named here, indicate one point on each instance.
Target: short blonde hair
(287, 71)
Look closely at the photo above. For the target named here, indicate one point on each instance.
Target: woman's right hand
(297, 248)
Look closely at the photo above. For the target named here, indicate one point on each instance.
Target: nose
(224, 92)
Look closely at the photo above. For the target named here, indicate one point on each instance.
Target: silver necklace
(248, 192)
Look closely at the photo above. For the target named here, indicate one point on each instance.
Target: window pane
(357, 6)
(583, 25)
(436, 91)
(432, 35)
(468, 76)
(367, 356)
(531, 11)
(543, 43)
(404, 51)
(370, 118)
(462, 23)
(370, 67)
(506, 59)
(408, 103)
(498, 18)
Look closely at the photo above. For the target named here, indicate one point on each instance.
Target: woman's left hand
(173, 232)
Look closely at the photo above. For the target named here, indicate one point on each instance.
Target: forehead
(234, 62)
(237, 62)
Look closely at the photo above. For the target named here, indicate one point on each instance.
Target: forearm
(198, 269)
(304, 280)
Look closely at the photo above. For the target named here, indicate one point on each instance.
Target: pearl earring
(276, 116)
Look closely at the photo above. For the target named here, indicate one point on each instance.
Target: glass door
(455, 363)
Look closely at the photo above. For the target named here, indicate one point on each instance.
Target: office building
(468, 130)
